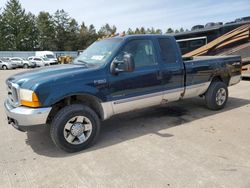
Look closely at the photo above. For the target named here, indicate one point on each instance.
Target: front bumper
(26, 117)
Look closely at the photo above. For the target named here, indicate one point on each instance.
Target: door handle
(159, 75)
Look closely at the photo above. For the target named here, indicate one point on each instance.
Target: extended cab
(110, 77)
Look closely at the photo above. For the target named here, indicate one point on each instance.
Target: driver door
(140, 88)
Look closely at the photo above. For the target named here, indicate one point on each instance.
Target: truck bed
(195, 58)
(200, 70)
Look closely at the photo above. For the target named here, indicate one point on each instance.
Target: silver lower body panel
(234, 80)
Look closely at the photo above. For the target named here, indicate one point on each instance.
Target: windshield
(99, 52)
(50, 56)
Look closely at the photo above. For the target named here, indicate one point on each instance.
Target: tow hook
(14, 124)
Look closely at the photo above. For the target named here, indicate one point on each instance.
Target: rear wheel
(216, 96)
(4, 67)
(75, 128)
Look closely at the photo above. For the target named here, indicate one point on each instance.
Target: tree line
(21, 30)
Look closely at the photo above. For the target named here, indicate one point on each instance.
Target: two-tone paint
(145, 86)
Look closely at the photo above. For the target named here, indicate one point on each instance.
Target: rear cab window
(167, 51)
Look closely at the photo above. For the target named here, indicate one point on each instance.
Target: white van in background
(48, 55)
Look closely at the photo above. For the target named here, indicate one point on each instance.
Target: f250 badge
(100, 82)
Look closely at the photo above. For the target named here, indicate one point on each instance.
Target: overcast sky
(148, 13)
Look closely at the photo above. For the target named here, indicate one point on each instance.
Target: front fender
(55, 94)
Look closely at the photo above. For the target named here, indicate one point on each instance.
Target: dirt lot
(179, 145)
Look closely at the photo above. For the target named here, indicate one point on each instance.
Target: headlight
(29, 98)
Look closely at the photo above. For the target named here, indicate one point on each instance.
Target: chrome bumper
(25, 116)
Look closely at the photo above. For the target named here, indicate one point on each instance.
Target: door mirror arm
(125, 65)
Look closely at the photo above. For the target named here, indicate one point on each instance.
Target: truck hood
(30, 79)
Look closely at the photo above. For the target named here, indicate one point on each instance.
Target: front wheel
(216, 96)
(75, 128)
(4, 67)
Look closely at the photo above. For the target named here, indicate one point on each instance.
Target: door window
(141, 50)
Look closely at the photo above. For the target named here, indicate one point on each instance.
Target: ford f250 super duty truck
(110, 77)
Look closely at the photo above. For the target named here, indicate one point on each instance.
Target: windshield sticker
(97, 57)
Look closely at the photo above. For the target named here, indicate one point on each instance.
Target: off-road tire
(210, 96)
(61, 118)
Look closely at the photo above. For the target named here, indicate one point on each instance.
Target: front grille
(12, 90)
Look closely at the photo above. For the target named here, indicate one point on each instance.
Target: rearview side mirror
(125, 65)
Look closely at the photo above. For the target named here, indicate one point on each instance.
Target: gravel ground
(179, 145)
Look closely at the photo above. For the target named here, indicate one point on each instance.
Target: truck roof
(144, 35)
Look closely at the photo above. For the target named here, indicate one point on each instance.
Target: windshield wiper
(83, 62)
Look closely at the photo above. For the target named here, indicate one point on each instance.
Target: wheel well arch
(221, 79)
(89, 100)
